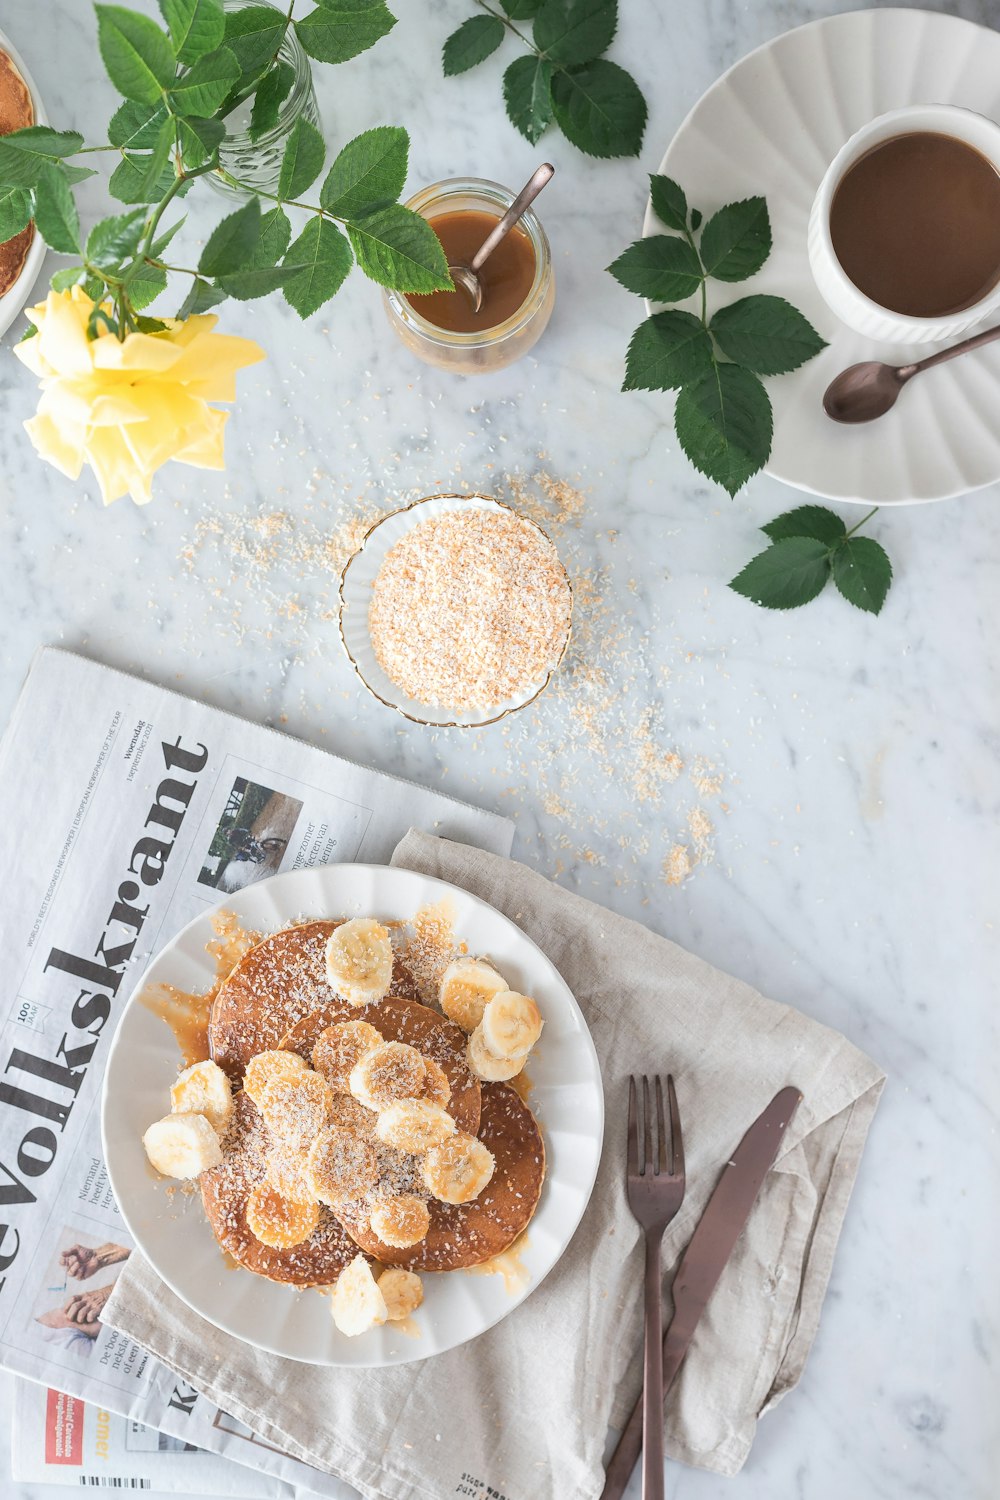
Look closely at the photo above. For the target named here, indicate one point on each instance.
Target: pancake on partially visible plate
(16, 111)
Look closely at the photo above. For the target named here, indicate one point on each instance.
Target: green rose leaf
(571, 32)
(275, 233)
(600, 108)
(272, 91)
(112, 240)
(367, 174)
(737, 240)
(255, 281)
(129, 183)
(724, 425)
(302, 161)
(340, 29)
(669, 350)
(807, 520)
(398, 248)
(231, 243)
(254, 35)
(146, 284)
(788, 573)
(73, 175)
(202, 297)
(862, 572)
(521, 10)
(324, 258)
(163, 240)
(527, 93)
(472, 43)
(15, 212)
(669, 202)
(155, 166)
(137, 54)
(23, 153)
(135, 127)
(200, 140)
(63, 279)
(663, 268)
(766, 334)
(196, 26)
(203, 87)
(55, 212)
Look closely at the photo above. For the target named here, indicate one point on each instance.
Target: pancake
(16, 111)
(281, 980)
(403, 1021)
(317, 1261)
(467, 1234)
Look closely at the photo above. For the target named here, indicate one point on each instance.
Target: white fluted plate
(171, 1229)
(16, 296)
(771, 125)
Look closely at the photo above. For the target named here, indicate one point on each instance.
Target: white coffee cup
(840, 293)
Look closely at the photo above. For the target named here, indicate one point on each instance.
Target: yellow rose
(125, 406)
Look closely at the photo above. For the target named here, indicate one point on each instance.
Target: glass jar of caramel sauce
(517, 280)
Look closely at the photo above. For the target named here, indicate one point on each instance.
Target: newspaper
(58, 1439)
(125, 811)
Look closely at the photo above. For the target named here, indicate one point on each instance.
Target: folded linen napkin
(522, 1412)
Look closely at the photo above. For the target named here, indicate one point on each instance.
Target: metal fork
(655, 1193)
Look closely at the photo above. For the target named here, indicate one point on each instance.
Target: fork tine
(662, 1166)
(676, 1137)
(632, 1162)
(648, 1164)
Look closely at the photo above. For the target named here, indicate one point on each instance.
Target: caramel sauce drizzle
(188, 1014)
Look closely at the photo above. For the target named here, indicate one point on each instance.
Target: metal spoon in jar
(467, 277)
(866, 391)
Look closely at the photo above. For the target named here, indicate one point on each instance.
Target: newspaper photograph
(128, 809)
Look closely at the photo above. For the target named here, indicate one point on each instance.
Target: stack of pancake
(279, 998)
(16, 112)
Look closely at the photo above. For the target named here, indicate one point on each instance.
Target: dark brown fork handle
(650, 1414)
(630, 1444)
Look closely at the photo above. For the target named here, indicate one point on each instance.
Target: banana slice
(436, 1086)
(403, 1292)
(466, 986)
(265, 1068)
(387, 1073)
(295, 1109)
(340, 1167)
(357, 1304)
(286, 1170)
(414, 1125)
(203, 1090)
(359, 960)
(278, 1220)
(182, 1145)
(511, 1025)
(487, 1067)
(339, 1048)
(400, 1221)
(458, 1169)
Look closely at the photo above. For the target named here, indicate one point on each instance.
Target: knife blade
(703, 1262)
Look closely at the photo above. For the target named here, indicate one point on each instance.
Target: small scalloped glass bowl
(356, 583)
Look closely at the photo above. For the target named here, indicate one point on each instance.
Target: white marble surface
(855, 834)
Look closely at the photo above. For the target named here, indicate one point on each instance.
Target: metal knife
(704, 1261)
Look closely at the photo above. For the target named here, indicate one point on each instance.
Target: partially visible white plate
(13, 300)
(172, 1231)
(771, 125)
